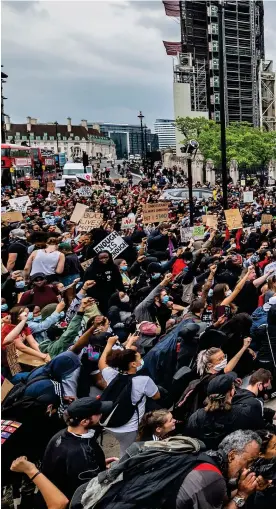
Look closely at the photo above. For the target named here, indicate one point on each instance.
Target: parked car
(179, 194)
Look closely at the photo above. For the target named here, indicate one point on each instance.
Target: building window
(64, 138)
(77, 138)
(52, 138)
(215, 64)
(24, 138)
(38, 137)
(213, 28)
(216, 96)
(215, 81)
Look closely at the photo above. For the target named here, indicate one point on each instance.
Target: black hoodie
(258, 412)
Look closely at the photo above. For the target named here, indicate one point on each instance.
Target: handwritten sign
(34, 184)
(212, 221)
(112, 243)
(12, 217)
(90, 220)
(233, 218)
(50, 187)
(204, 219)
(265, 227)
(266, 218)
(59, 183)
(248, 196)
(78, 212)
(185, 234)
(128, 222)
(87, 263)
(198, 232)
(155, 212)
(85, 191)
(20, 204)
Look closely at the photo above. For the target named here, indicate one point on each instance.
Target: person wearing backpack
(127, 390)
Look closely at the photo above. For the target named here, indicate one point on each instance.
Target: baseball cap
(221, 384)
(86, 407)
(37, 275)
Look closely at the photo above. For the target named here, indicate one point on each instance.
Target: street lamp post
(56, 124)
(4, 76)
(141, 116)
(222, 108)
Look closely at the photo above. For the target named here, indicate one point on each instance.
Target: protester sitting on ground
(127, 362)
(17, 250)
(53, 497)
(123, 268)
(48, 261)
(38, 326)
(13, 288)
(72, 267)
(73, 455)
(41, 293)
(119, 312)
(155, 425)
(144, 311)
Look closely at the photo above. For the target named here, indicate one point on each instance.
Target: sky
(102, 61)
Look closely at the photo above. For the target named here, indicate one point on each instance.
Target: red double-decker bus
(18, 160)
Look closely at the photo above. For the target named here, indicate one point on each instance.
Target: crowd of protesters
(169, 348)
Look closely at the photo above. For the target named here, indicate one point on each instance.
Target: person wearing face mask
(18, 253)
(123, 268)
(119, 310)
(38, 326)
(259, 383)
(127, 362)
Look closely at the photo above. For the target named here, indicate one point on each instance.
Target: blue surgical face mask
(163, 263)
(4, 307)
(156, 276)
(37, 318)
(138, 248)
(62, 314)
(141, 365)
(20, 284)
(30, 316)
(165, 299)
(124, 267)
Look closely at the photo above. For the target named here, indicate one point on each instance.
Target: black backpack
(190, 400)
(16, 405)
(119, 392)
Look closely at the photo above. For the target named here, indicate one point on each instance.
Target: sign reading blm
(112, 243)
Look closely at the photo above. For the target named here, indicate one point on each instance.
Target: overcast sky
(95, 60)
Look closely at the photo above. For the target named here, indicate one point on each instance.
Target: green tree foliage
(250, 146)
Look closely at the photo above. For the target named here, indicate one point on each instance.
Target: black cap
(37, 275)
(221, 384)
(86, 407)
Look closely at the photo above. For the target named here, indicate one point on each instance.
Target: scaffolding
(267, 95)
(193, 71)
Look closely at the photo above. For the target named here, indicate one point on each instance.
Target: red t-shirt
(7, 328)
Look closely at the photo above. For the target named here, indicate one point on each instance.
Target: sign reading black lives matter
(112, 243)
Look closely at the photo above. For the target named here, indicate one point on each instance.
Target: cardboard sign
(6, 387)
(90, 220)
(242, 182)
(57, 190)
(128, 222)
(34, 184)
(248, 196)
(266, 218)
(198, 232)
(12, 217)
(265, 227)
(212, 221)
(185, 234)
(20, 204)
(86, 264)
(233, 218)
(29, 359)
(155, 212)
(59, 183)
(78, 212)
(204, 219)
(85, 191)
(12, 359)
(112, 243)
(50, 187)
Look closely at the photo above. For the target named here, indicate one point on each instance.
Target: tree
(250, 146)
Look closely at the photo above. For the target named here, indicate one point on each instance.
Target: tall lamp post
(190, 149)
(56, 124)
(222, 108)
(141, 116)
(4, 76)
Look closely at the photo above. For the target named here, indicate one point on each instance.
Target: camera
(266, 468)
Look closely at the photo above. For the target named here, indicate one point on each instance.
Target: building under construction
(249, 84)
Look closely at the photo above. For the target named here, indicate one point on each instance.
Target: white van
(72, 170)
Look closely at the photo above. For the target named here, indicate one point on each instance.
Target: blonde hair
(204, 358)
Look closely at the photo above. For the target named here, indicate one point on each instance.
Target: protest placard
(198, 232)
(155, 212)
(233, 218)
(78, 212)
(248, 196)
(265, 227)
(12, 217)
(185, 234)
(242, 182)
(87, 263)
(90, 220)
(50, 187)
(20, 204)
(204, 219)
(212, 221)
(6, 387)
(85, 191)
(34, 184)
(59, 183)
(128, 222)
(112, 243)
(57, 190)
(266, 218)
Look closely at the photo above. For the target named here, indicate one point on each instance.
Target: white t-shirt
(141, 385)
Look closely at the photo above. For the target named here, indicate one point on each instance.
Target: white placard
(85, 191)
(248, 197)
(128, 222)
(59, 183)
(20, 204)
(112, 243)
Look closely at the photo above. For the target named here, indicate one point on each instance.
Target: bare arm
(60, 265)
(32, 342)
(53, 497)
(26, 349)
(29, 263)
(234, 361)
(110, 342)
(258, 282)
(11, 261)
(236, 291)
(15, 332)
